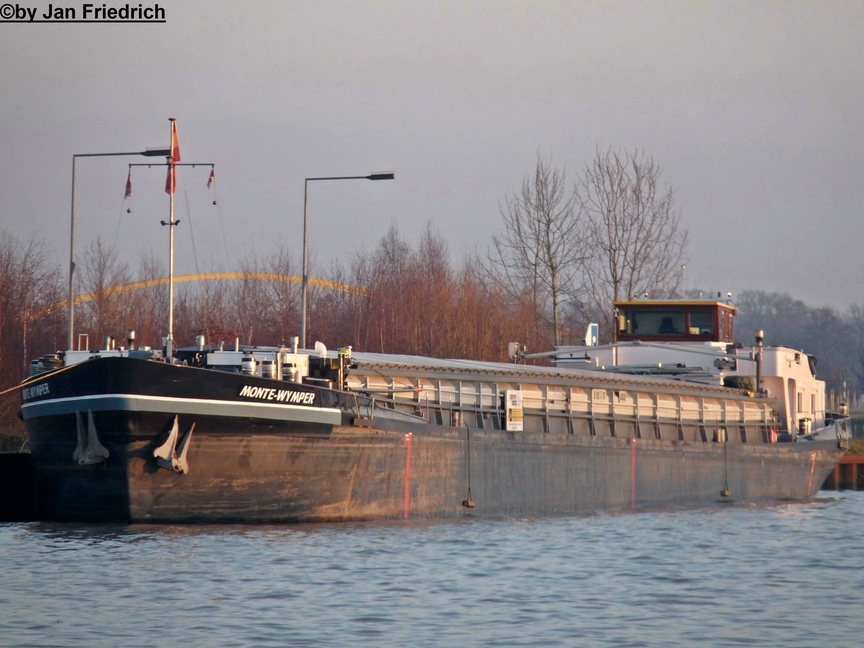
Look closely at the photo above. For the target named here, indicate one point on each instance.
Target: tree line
(565, 250)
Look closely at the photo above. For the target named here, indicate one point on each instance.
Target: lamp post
(149, 153)
(384, 175)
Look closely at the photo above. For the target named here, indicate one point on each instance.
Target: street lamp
(151, 152)
(384, 175)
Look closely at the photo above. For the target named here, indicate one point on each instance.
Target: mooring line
(633, 474)
(408, 439)
(812, 470)
(32, 379)
(468, 503)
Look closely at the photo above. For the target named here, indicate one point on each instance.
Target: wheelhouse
(674, 321)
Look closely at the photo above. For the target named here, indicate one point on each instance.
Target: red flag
(129, 185)
(212, 178)
(175, 143)
(171, 180)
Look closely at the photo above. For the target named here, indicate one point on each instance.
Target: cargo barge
(280, 434)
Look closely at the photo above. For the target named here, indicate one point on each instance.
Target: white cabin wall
(791, 404)
(777, 389)
(793, 368)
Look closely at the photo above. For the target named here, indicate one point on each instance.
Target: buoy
(129, 210)
(214, 202)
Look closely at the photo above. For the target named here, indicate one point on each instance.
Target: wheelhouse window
(701, 323)
(654, 322)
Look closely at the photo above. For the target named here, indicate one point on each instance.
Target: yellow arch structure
(212, 276)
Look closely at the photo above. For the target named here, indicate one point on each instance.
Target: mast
(172, 178)
(172, 162)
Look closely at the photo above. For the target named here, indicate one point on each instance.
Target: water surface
(784, 575)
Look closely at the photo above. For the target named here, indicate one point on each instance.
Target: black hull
(317, 464)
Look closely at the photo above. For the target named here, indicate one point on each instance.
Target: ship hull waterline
(363, 475)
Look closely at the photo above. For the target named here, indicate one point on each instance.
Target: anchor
(167, 454)
(88, 450)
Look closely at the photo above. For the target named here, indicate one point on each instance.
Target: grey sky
(755, 110)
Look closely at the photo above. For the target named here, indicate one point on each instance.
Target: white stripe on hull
(168, 405)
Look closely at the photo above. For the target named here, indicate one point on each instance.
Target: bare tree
(108, 313)
(632, 230)
(539, 251)
(284, 296)
(360, 307)
(149, 303)
(251, 304)
(388, 290)
(31, 323)
(209, 311)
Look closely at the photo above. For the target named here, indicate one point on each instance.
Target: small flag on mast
(171, 180)
(129, 185)
(175, 143)
(212, 178)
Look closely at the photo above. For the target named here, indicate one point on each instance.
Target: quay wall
(847, 475)
(17, 488)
